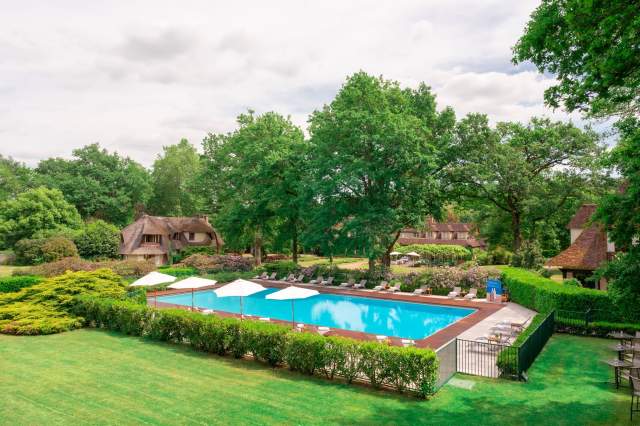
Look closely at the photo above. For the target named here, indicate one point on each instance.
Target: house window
(157, 239)
(149, 257)
(176, 236)
(192, 236)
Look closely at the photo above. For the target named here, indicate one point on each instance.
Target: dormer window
(149, 238)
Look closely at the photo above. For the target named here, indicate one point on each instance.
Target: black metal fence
(531, 347)
(485, 359)
(582, 317)
(492, 359)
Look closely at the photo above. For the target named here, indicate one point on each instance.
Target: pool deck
(434, 341)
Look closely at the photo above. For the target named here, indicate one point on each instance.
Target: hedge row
(11, 284)
(381, 365)
(594, 328)
(544, 295)
(437, 251)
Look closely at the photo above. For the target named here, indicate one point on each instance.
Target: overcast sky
(137, 75)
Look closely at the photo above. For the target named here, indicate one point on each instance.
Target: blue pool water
(374, 316)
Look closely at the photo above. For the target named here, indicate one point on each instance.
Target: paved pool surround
(434, 341)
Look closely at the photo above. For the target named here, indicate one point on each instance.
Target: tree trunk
(372, 264)
(386, 257)
(516, 231)
(257, 248)
(294, 243)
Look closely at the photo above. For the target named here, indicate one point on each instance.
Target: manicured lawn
(96, 377)
(307, 260)
(6, 270)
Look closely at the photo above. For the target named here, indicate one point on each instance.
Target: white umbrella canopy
(239, 288)
(395, 253)
(292, 293)
(193, 282)
(153, 278)
(413, 254)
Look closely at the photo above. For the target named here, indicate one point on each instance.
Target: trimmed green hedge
(544, 295)
(381, 365)
(594, 328)
(439, 253)
(11, 284)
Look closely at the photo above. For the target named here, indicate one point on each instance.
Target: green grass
(307, 260)
(7, 270)
(97, 377)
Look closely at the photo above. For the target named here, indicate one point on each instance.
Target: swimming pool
(375, 316)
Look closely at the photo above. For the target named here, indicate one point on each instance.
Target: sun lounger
(329, 281)
(473, 293)
(421, 290)
(299, 279)
(408, 342)
(323, 330)
(262, 276)
(265, 319)
(272, 277)
(349, 283)
(455, 293)
(288, 278)
(361, 284)
(394, 288)
(499, 339)
(381, 286)
(318, 280)
(381, 338)
(300, 327)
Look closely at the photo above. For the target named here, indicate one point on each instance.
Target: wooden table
(618, 364)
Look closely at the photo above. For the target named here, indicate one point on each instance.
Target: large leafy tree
(620, 212)
(529, 173)
(377, 154)
(33, 211)
(100, 184)
(15, 178)
(254, 176)
(592, 47)
(175, 178)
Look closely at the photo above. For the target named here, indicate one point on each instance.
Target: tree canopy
(174, 179)
(592, 47)
(101, 185)
(376, 157)
(15, 178)
(529, 172)
(254, 174)
(35, 210)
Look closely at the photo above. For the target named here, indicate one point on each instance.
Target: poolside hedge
(381, 365)
(544, 295)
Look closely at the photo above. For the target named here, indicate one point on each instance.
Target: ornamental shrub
(217, 263)
(125, 268)
(398, 367)
(33, 252)
(11, 284)
(45, 308)
(179, 272)
(543, 295)
(529, 256)
(98, 240)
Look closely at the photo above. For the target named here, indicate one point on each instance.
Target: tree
(98, 240)
(35, 210)
(174, 179)
(529, 172)
(592, 47)
(377, 156)
(255, 174)
(620, 213)
(15, 178)
(101, 185)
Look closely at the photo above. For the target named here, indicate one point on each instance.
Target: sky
(139, 75)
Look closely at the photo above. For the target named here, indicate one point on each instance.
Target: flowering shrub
(126, 268)
(217, 263)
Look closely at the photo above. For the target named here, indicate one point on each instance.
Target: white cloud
(138, 75)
